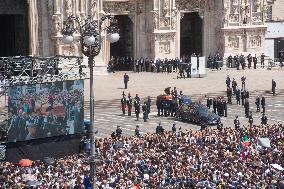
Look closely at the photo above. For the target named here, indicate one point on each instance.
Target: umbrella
(32, 183)
(265, 142)
(25, 162)
(278, 167)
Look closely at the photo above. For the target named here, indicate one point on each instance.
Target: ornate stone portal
(229, 26)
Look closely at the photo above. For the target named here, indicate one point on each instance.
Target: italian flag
(246, 143)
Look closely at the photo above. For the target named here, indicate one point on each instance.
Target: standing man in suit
(125, 79)
(263, 104)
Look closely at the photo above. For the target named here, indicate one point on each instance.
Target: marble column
(33, 27)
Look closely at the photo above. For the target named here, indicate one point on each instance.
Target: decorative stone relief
(174, 19)
(233, 42)
(165, 37)
(110, 7)
(164, 22)
(155, 20)
(255, 42)
(68, 50)
(165, 47)
(190, 4)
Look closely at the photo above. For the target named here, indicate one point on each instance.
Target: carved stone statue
(68, 7)
(94, 9)
(56, 24)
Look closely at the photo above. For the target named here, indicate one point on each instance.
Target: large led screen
(45, 110)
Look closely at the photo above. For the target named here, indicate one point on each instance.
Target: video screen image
(45, 110)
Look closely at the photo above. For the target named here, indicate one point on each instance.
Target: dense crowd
(211, 158)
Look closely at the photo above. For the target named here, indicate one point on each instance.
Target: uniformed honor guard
(123, 103)
(129, 104)
(250, 119)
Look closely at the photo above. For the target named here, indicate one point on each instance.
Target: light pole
(91, 43)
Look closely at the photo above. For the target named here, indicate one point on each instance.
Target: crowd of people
(211, 158)
(183, 65)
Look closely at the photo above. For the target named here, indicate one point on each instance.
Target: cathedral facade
(150, 28)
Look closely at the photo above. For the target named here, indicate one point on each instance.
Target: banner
(202, 65)
(194, 70)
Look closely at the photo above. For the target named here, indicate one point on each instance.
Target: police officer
(257, 103)
(237, 123)
(262, 102)
(144, 110)
(246, 106)
(263, 119)
(137, 131)
(273, 86)
(250, 119)
(137, 108)
(123, 103)
(129, 104)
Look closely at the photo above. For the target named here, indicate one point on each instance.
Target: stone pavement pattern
(108, 90)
